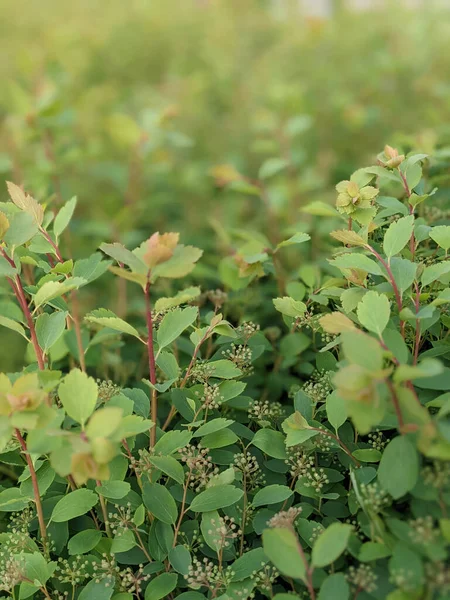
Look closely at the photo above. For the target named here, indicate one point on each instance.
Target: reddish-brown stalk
(151, 363)
(34, 481)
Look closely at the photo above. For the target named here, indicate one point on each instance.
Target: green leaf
(78, 394)
(49, 328)
(37, 569)
(399, 467)
(174, 323)
(182, 297)
(91, 268)
(212, 426)
(159, 501)
(170, 466)
(363, 350)
(96, 591)
(441, 235)
(180, 559)
(124, 256)
(297, 238)
(398, 235)
(224, 369)
(13, 325)
(216, 497)
(289, 307)
(404, 272)
(336, 410)
(63, 217)
(161, 586)
(26, 202)
(113, 490)
(172, 441)
(180, 264)
(356, 261)
(248, 564)
(22, 227)
(84, 541)
(123, 541)
(434, 272)
(54, 289)
(281, 546)
(272, 494)
(73, 505)
(373, 312)
(334, 587)
(367, 455)
(107, 318)
(330, 544)
(271, 167)
(270, 442)
(11, 500)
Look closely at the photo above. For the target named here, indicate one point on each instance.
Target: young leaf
(397, 235)
(373, 312)
(78, 394)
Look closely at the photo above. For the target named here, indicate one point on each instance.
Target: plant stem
(104, 511)
(182, 510)
(398, 297)
(173, 410)
(34, 481)
(151, 363)
(244, 511)
(418, 332)
(396, 404)
(74, 302)
(341, 444)
(308, 570)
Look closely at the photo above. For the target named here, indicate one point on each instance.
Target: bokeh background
(168, 114)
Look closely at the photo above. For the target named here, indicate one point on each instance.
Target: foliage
(306, 456)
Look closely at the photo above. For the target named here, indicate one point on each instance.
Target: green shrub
(306, 456)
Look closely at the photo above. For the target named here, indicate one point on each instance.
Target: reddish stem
(37, 496)
(74, 302)
(417, 338)
(151, 362)
(19, 292)
(396, 404)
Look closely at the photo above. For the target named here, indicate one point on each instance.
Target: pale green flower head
(351, 196)
(355, 197)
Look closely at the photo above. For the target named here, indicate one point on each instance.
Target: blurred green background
(147, 111)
